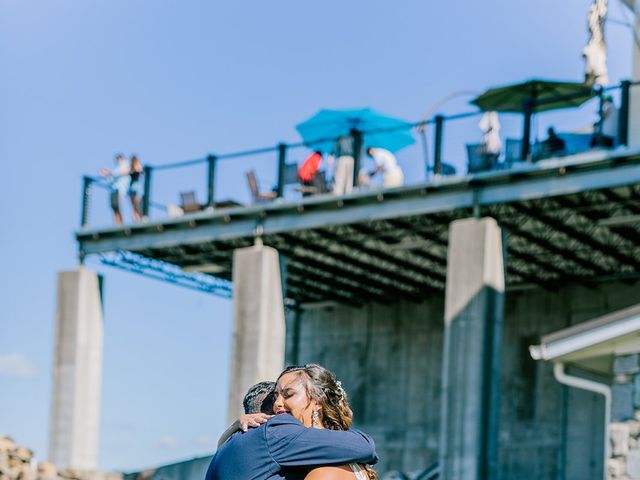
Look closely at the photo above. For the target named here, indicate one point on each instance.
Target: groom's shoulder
(283, 425)
(283, 419)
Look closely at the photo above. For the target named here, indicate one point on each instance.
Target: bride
(312, 394)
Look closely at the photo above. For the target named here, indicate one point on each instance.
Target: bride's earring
(315, 418)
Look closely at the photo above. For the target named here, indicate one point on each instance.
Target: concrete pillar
(77, 371)
(634, 107)
(258, 342)
(471, 364)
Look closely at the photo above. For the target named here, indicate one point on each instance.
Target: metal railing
(281, 151)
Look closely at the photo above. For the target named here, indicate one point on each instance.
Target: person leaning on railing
(392, 175)
(135, 171)
(605, 132)
(118, 183)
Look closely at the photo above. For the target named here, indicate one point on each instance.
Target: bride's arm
(242, 425)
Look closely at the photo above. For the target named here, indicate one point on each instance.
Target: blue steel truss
(167, 272)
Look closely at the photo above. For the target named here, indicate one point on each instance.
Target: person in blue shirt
(285, 447)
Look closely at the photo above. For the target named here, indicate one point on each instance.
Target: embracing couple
(307, 438)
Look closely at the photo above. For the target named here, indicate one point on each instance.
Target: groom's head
(260, 398)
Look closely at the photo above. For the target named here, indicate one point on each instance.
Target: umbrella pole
(357, 152)
(425, 151)
(526, 134)
(437, 154)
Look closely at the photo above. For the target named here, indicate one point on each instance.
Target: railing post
(623, 119)
(282, 164)
(86, 193)
(437, 142)
(147, 192)
(526, 134)
(598, 129)
(211, 192)
(357, 153)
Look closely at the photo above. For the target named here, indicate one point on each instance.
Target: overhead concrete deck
(573, 219)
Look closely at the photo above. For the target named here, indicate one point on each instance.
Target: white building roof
(593, 344)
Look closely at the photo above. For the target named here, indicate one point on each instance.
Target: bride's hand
(252, 420)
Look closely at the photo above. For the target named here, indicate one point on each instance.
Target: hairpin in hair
(340, 389)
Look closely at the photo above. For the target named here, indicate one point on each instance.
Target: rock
(615, 468)
(619, 437)
(47, 471)
(634, 428)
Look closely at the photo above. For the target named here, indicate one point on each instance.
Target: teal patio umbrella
(379, 130)
(533, 96)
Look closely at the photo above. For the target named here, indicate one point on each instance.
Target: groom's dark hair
(259, 398)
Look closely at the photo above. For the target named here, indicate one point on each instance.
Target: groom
(282, 448)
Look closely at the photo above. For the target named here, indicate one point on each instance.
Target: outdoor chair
(477, 160)
(582, 142)
(448, 169)
(290, 173)
(320, 185)
(188, 202)
(512, 151)
(256, 195)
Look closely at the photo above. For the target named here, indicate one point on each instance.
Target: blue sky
(173, 81)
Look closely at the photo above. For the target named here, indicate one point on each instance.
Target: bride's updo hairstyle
(322, 386)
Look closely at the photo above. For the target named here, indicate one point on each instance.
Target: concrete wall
(389, 358)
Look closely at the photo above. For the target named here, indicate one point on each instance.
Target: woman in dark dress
(135, 171)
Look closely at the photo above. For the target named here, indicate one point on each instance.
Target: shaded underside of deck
(572, 220)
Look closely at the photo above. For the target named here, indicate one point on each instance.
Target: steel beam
(442, 262)
(394, 281)
(316, 277)
(578, 235)
(392, 259)
(516, 230)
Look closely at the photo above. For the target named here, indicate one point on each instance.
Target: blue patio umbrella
(379, 130)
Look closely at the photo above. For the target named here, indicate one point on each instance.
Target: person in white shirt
(609, 120)
(119, 180)
(392, 175)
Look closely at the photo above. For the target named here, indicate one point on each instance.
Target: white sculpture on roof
(595, 53)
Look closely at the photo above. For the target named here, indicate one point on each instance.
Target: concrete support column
(77, 371)
(634, 107)
(258, 344)
(471, 364)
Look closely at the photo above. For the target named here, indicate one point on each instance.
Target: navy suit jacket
(278, 447)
